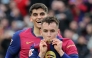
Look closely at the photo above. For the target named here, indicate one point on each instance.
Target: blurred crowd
(75, 18)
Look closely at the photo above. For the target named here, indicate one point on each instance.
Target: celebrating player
(52, 46)
(23, 39)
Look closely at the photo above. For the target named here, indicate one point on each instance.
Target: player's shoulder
(67, 40)
(69, 46)
(17, 33)
(21, 31)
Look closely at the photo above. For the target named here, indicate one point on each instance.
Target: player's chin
(39, 26)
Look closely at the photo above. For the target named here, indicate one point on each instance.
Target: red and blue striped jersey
(69, 48)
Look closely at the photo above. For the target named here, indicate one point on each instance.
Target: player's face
(37, 16)
(49, 31)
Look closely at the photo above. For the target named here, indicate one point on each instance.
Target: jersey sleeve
(70, 47)
(33, 52)
(14, 46)
(69, 56)
(72, 51)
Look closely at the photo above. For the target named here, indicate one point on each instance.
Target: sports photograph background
(75, 18)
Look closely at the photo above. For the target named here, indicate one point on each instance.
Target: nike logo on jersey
(70, 46)
(29, 42)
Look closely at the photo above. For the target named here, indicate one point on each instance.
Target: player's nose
(49, 34)
(39, 16)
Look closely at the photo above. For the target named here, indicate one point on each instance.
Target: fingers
(56, 41)
(43, 43)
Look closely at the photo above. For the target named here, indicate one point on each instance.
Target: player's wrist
(41, 55)
(61, 53)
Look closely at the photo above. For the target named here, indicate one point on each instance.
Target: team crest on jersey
(50, 54)
(31, 52)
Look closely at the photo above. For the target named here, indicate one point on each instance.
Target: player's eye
(52, 30)
(45, 30)
(42, 14)
(35, 14)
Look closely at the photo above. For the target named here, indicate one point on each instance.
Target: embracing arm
(14, 46)
(33, 52)
(64, 55)
(69, 56)
(42, 47)
(70, 50)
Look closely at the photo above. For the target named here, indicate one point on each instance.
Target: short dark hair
(50, 19)
(37, 6)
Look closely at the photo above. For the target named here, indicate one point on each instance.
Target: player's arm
(33, 52)
(70, 50)
(14, 46)
(64, 55)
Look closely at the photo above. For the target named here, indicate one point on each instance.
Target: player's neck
(36, 32)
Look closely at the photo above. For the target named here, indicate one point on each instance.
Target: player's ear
(31, 19)
(58, 31)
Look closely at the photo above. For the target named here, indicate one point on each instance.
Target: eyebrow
(40, 12)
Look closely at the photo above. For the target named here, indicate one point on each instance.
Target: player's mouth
(39, 22)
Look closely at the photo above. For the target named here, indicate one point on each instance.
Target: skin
(36, 17)
(50, 33)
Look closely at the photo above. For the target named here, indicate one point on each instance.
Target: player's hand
(43, 48)
(57, 44)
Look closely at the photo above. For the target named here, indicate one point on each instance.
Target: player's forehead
(49, 26)
(40, 10)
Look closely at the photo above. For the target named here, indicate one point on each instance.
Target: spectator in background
(83, 24)
(4, 23)
(81, 29)
(27, 22)
(89, 31)
(17, 25)
(86, 19)
(22, 6)
(16, 15)
(89, 15)
(89, 45)
(6, 40)
(51, 13)
(46, 2)
(68, 33)
(3, 9)
(63, 13)
(74, 27)
(79, 8)
(1, 38)
(82, 47)
(12, 5)
(88, 4)
(2, 14)
(5, 2)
